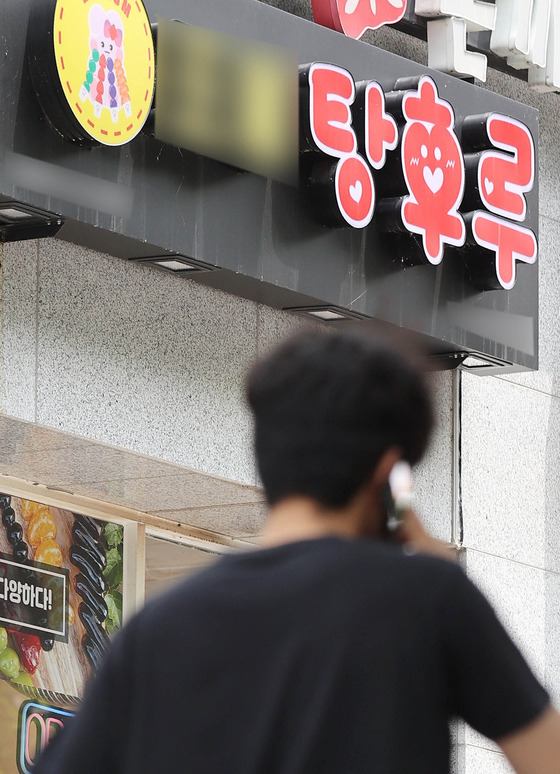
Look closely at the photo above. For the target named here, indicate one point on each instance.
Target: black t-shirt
(326, 656)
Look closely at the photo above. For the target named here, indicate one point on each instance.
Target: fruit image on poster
(45, 662)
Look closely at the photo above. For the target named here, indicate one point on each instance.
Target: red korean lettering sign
(434, 171)
(505, 175)
(381, 133)
(510, 242)
(351, 124)
(332, 92)
(355, 17)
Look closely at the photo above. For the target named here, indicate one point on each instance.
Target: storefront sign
(37, 726)
(416, 191)
(103, 54)
(355, 17)
(30, 592)
(341, 120)
(61, 587)
(350, 123)
(524, 33)
(228, 98)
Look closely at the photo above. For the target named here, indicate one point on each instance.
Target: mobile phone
(397, 495)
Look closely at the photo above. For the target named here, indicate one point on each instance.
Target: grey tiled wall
(128, 355)
(511, 470)
(19, 328)
(134, 357)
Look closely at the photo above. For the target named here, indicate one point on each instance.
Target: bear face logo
(355, 17)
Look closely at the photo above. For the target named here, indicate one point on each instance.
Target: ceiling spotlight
(8, 214)
(176, 263)
(19, 221)
(327, 313)
(475, 361)
(445, 361)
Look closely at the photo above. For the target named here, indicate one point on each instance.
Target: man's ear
(372, 522)
(380, 475)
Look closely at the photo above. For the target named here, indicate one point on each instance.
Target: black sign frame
(258, 235)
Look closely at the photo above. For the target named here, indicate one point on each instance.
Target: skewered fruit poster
(61, 585)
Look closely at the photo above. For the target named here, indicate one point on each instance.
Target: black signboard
(433, 227)
(34, 597)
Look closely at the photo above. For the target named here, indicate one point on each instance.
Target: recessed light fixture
(176, 263)
(475, 361)
(327, 313)
(445, 361)
(19, 221)
(10, 213)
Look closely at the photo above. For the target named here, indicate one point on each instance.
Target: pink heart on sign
(434, 180)
(489, 186)
(356, 191)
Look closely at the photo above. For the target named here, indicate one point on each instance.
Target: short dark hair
(327, 407)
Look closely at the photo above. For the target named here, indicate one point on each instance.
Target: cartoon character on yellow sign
(105, 79)
(110, 100)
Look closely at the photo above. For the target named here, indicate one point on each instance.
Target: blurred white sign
(525, 32)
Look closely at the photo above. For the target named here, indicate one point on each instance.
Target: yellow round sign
(105, 60)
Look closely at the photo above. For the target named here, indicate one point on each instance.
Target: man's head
(327, 409)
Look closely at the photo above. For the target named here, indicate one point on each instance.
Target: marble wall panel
(510, 472)
(144, 360)
(18, 310)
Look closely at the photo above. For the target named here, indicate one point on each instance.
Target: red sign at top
(353, 124)
(354, 17)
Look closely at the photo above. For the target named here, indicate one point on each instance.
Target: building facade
(122, 393)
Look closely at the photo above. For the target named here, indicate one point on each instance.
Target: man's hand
(535, 749)
(412, 533)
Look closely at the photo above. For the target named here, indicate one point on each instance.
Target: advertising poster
(61, 584)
